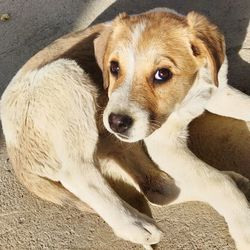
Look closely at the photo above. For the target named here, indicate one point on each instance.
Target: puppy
(161, 69)
(59, 149)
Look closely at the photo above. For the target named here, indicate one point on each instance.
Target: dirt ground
(30, 223)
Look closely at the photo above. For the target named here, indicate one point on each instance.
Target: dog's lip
(122, 136)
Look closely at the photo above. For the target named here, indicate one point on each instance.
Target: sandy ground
(29, 223)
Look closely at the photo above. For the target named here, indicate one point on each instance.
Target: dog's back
(48, 88)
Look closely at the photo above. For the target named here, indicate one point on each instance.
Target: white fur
(228, 101)
(109, 168)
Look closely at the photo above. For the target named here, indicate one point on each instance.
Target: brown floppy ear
(207, 42)
(100, 44)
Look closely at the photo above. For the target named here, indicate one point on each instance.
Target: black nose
(120, 123)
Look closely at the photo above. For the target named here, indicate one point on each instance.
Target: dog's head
(149, 63)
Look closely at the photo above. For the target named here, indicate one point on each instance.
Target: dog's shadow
(232, 17)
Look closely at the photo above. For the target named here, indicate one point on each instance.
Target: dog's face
(149, 63)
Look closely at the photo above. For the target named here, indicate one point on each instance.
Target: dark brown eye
(114, 68)
(162, 75)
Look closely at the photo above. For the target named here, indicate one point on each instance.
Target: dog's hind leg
(85, 181)
(51, 191)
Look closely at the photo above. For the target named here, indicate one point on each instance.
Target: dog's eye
(114, 68)
(162, 75)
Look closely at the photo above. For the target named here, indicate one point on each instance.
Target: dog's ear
(206, 42)
(100, 44)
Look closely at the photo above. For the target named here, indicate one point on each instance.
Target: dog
(52, 121)
(51, 115)
(161, 70)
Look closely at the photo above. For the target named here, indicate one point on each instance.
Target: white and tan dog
(161, 69)
(52, 119)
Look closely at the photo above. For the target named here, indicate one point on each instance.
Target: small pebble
(21, 220)
(4, 17)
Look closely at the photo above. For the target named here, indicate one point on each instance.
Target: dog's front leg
(89, 185)
(199, 181)
(158, 187)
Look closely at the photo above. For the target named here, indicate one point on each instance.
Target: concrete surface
(29, 223)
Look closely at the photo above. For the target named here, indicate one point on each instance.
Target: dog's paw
(159, 189)
(140, 229)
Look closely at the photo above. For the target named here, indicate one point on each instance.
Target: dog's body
(54, 134)
(170, 86)
(60, 150)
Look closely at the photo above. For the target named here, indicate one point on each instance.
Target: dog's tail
(51, 191)
(230, 102)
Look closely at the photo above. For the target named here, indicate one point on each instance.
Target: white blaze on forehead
(128, 53)
(137, 32)
(131, 53)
